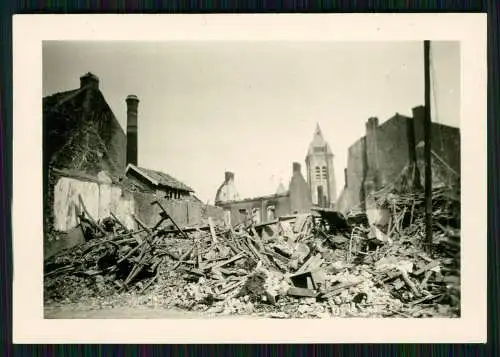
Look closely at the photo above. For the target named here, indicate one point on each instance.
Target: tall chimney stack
(296, 167)
(132, 104)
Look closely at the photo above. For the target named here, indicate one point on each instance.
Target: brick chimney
(300, 198)
(90, 80)
(371, 179)
(228, 176)
(132, 104)
(296, 167)
(418, 122)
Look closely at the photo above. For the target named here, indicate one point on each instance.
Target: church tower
(320, 171)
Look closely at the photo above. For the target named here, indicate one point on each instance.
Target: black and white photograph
(278, 179)
(252, 180)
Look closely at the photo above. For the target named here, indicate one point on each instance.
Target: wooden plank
(337, 289)
(187, 229)
(410, 284)
(192, 271)
(266, 223)
(212, 230)
(276, 255)
(90, 218)
(232, 259)
(171, 219)
(118, 221)
(231, 286)
(429, 266)
(260, 256)
(308, 262)
(301, 292)
(182, 258)
(427, 275)
(143, 226)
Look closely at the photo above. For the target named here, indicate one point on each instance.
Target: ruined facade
(264, 208)
(378, 158)
(90, 160)
(318, 190)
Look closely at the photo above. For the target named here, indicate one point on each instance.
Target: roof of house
(82, 132)
(159, 178)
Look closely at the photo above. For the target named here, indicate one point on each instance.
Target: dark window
(318, 173)
(271, 213)
(321, 197)
(324, 172)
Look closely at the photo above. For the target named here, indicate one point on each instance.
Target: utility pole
(427, 150)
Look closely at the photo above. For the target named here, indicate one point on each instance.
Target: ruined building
(81, 132)
(301, 196)
(264, 208)
(90, 161)
(378, 158)
(84, 137)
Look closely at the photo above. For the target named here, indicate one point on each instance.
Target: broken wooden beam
(230, 260)
(338, 288)
(118, 221)
(169, 217)
(301, 292)
(212, 229)
(429, 266)
(89, 217)
(409, 283)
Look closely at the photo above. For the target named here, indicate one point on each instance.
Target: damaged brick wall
(184, 212)
(353, 192)
(395, 143)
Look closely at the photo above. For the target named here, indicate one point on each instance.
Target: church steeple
(318, 143)
(320, 171)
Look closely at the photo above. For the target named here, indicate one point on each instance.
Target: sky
(252, 107)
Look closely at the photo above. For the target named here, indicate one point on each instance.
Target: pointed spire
(318, 141)
(281, 188)
(318, 130)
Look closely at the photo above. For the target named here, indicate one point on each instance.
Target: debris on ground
(319, 264)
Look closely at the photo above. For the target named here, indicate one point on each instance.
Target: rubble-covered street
(305, 265)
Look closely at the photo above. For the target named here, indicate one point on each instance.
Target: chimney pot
(228, 176)
(372, 122)
(132, 97)
(418, 113)
(296, 167)
(89, 79)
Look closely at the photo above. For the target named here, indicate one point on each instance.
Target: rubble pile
(318, 264)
